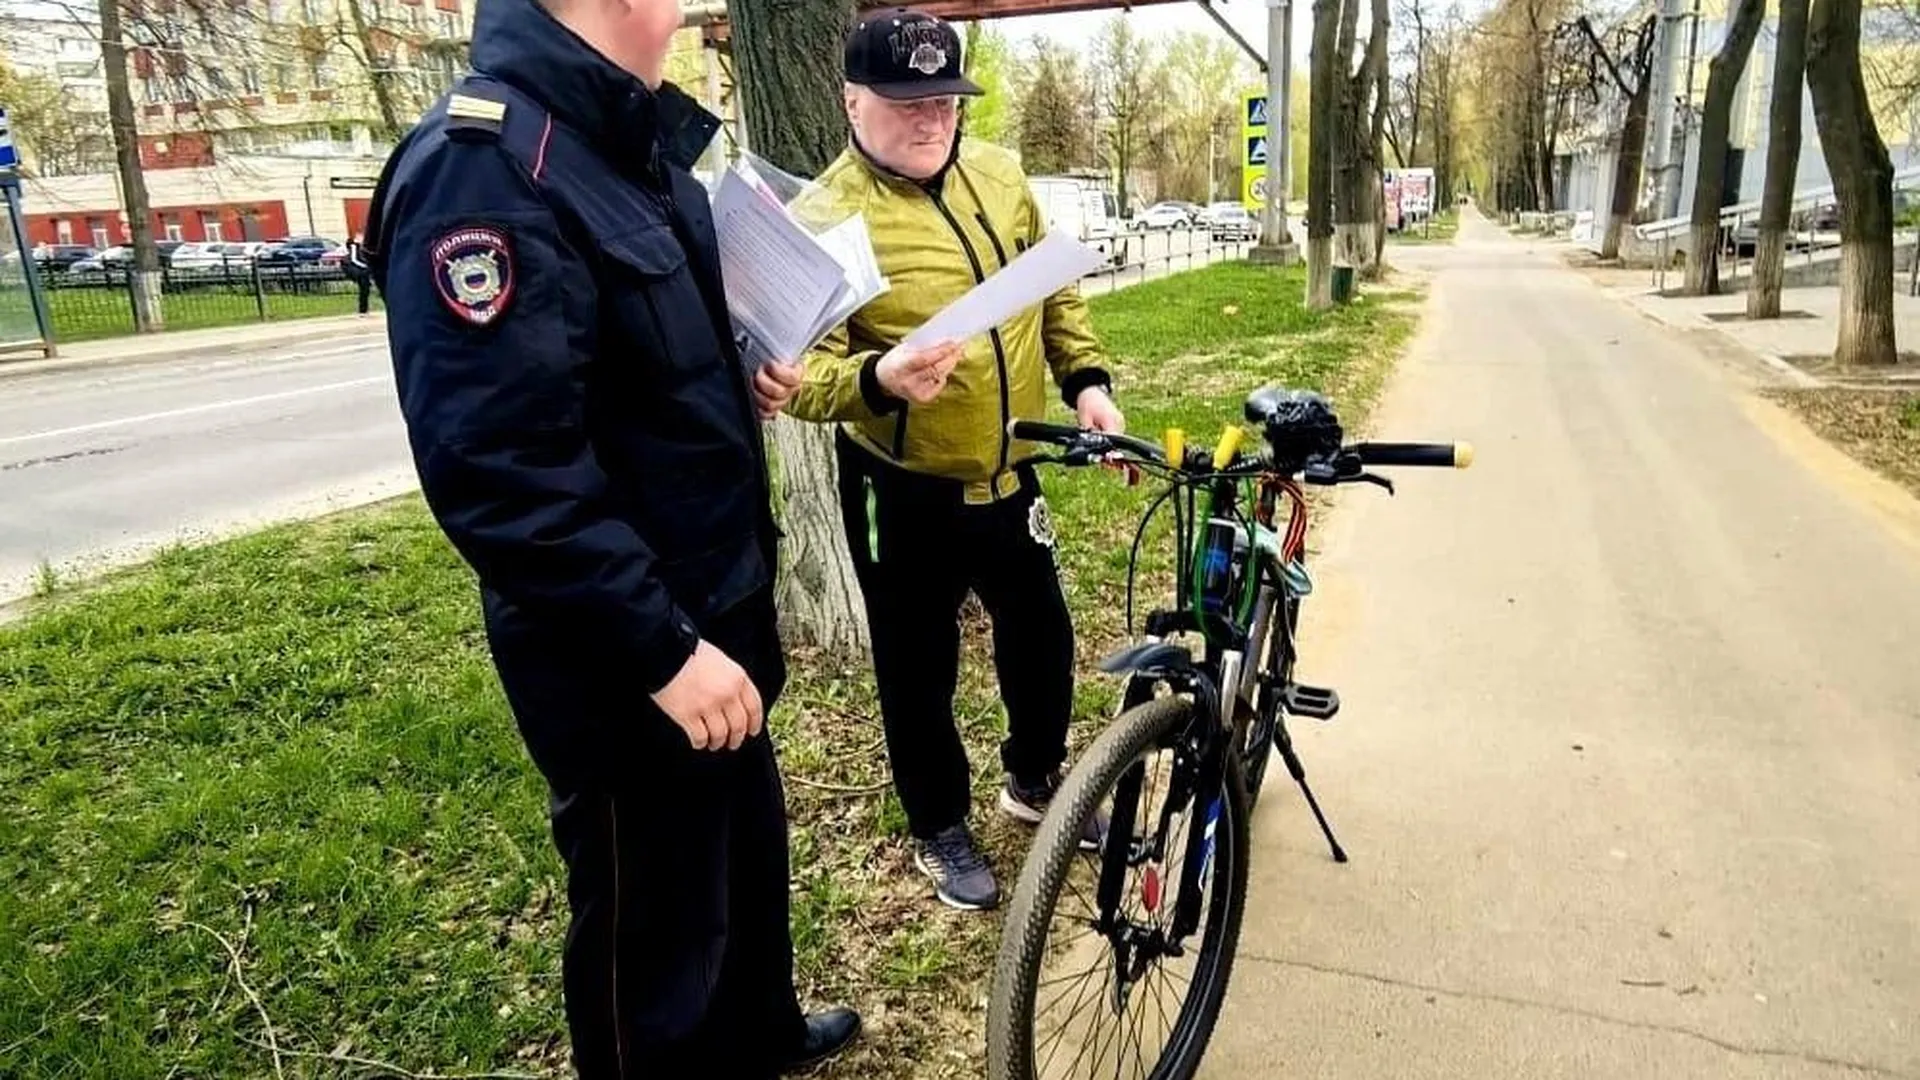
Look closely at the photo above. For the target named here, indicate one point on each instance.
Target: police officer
(585, 437)
(933, 496)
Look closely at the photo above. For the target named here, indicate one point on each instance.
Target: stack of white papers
(787, 286)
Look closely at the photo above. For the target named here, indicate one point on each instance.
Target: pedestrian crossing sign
(1254, 152)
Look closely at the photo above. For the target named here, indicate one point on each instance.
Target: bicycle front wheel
(1097, 981)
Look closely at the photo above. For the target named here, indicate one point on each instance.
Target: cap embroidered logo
(473, 270)
(928, 59)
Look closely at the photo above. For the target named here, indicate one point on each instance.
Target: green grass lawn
(292, 746)
(85, 314)
(1444, 226)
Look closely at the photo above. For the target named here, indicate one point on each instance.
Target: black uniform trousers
(918, 549)
(678, 960)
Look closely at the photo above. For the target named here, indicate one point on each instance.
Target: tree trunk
(1375, 265)
(145, 280)
(1723, 78)
(786, 57)
(1783, 161)
(1627, 165)
(1326, 87)
(1862, 182)
(1359, 124)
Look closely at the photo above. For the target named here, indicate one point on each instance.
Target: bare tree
(1723, 77)
(1201, 77)
(1628, 69)
(1862, 182)
(1783, 161)
(147, 315)
(1404, 113)
(1130, 85)
(786, 54)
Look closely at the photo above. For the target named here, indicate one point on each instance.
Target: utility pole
(1276, 241)
(1664, 169)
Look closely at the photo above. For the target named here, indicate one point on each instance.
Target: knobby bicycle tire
(1055, 847)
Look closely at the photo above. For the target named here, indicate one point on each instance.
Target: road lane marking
(190, 410)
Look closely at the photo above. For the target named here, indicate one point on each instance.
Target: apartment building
(255, 118)
(1889, 60)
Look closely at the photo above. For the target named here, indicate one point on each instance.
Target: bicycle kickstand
(1284, 743)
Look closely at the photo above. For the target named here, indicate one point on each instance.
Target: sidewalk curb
(1772, 363)
(19, 368)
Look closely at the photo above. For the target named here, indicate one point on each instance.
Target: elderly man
(586, 440)
(934, 501)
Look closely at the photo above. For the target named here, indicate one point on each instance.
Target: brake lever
(1374, 478)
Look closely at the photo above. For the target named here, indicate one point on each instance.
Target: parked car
(198, 256)
(1164, 215)
(58, 258)
(1230, 221)
(300, 250)
(216, 256)
(120, 256)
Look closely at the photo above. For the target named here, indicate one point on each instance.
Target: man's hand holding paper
(918, 374)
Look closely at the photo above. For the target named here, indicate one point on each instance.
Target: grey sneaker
(961, 878)
(1028, 801)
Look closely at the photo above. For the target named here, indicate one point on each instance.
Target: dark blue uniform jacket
(573, 395)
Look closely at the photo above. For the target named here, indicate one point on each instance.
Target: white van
(1079, 209)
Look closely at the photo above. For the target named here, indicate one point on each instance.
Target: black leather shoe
(828, 1033)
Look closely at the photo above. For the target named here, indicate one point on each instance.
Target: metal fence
(1144, 254)
(95, 303)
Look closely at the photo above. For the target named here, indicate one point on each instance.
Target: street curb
(18, 368)
(1771, 362)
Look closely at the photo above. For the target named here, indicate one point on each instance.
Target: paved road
(1630, 758)
(101, 466)
(104, 464)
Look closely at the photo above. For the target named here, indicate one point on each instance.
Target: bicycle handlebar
(1336, 468)
(1439, 455)
(1068, 435)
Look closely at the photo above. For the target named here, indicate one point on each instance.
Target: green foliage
(988, 58)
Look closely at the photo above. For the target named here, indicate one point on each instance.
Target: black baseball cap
(904, 55)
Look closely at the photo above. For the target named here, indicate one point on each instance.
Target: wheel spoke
(1067, 1025)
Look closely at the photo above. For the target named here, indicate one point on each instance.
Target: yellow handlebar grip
(1176, 446)
(1229, 442)
(1462, 454)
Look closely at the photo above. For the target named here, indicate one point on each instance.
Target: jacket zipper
(999, 350)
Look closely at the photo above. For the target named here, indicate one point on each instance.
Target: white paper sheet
(1044, 269)
(780, 281)
(852, 247)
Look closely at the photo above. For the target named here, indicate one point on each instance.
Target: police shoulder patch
(473, 269)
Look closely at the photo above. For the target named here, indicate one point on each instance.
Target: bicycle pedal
(1310, 701)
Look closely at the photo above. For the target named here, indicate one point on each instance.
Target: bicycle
(1194, 731)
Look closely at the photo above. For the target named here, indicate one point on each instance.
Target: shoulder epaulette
(471, 116)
